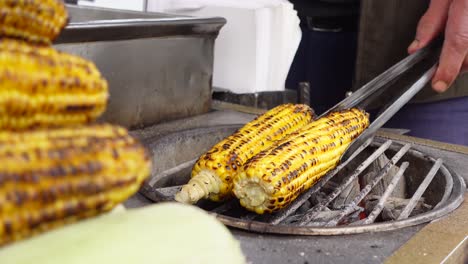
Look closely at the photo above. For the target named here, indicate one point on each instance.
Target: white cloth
(255, 50)
(136, 5)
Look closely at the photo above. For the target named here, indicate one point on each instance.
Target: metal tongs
(378, 85)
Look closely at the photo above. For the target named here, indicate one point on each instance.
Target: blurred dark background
(327, 53)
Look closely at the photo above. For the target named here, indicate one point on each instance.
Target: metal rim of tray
(143, 27)
(453, 201)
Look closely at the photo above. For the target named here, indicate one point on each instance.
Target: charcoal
(394, 206)
(346, 196)
(379, 189)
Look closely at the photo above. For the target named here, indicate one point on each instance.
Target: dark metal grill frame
(278, 222)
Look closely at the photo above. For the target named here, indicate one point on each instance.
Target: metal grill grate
(295, 220)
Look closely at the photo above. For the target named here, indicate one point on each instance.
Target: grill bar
(173, 171)
(281, 216)
(224, 207)
(169, 192)
(161, 194)
(313, 212)
(364, 192)
(448, 187)
(420, 191)
(391, 187)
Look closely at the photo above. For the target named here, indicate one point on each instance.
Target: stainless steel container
(159, 66)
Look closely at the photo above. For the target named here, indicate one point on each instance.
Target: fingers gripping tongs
(376, 88)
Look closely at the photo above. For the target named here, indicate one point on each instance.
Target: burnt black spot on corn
(39, 88)
(36, 21)
(233, 151)
(69, 174)
(310, 154)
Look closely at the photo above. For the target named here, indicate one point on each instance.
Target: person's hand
(450, 17)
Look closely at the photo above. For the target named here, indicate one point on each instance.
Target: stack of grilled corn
(57, 166)
(272, 160)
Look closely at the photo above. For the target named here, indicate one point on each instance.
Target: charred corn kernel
(42, 87)
(274, 178)
(36, 21)
(213, 172)
(52, 177)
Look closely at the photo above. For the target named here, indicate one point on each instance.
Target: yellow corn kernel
(51, 177)
(36, 21)
(272, 179)
(42, 87)
(213, 173)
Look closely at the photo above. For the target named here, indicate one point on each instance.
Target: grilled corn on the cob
(274, 178)
(36, 21)
(52, 177)
(213, 173)
(42, 87)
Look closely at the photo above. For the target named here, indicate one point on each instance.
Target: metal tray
(159, 66)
